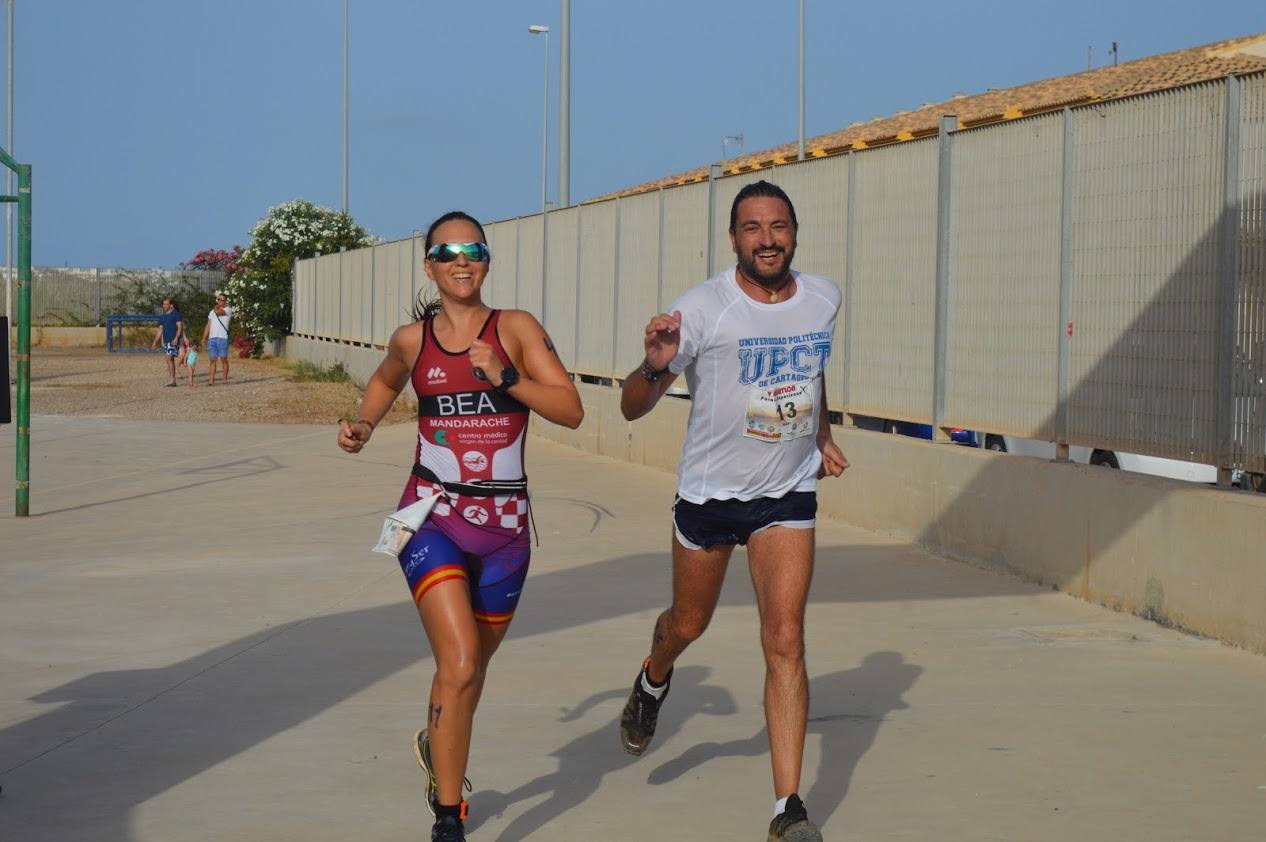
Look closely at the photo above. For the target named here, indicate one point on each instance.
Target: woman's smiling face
(461, 277)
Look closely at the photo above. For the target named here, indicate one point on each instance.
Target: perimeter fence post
(1229, 253)
(714, 172)
(1065, 326)
(850, 238)
(659, 272)
(948, 124)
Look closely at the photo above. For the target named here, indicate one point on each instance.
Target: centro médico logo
(475, 461)
(435, 376)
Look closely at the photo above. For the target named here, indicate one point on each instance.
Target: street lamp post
(345, 2)
(8, 211)
(800, 157)
(563, 198)
(537, 29)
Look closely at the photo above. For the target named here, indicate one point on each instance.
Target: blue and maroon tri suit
(468, 432)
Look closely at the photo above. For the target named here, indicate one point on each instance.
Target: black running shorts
(699, 526)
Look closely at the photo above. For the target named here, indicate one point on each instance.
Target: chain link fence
(83, 297)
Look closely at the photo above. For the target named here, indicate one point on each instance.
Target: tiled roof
(1156, 73)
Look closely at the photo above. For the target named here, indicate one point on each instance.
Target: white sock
(657, 692)
(780, 806)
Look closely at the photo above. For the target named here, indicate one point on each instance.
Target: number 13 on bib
(780, 413)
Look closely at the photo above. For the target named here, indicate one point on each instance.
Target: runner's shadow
(109, 741)
(861, 699)
(586, 760)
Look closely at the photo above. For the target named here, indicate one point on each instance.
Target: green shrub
(290, 232)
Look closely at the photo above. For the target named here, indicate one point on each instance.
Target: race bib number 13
(780, 413)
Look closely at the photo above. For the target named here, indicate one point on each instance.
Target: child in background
(191, 360)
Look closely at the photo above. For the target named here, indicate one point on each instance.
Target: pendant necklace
(774, 294)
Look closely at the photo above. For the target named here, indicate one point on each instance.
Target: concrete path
(196, 644)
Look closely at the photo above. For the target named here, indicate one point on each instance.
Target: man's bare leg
(697, 579)
(781, 563)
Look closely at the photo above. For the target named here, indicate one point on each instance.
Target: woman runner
(477, 372)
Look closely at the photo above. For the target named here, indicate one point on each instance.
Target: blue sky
(160, 127)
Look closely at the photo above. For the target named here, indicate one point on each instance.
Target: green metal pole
(23, 498)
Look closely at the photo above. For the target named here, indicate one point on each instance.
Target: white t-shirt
(220, 324)
(754, 371)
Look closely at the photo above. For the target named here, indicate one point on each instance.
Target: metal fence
(1094, 276)
(62, 296)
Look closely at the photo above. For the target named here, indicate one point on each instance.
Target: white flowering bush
(260, 291)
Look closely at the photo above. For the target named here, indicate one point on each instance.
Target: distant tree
(261, 291)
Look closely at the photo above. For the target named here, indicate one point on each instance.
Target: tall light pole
(800, 157)
(564, 109)
(8, 209)
(345, 2)
(537, 29)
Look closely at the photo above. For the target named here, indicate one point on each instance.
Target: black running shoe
(448, 829)
(637, 723)
(793, 825)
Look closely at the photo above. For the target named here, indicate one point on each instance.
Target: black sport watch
(509, 377)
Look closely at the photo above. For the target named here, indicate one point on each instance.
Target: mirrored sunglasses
(447, 252)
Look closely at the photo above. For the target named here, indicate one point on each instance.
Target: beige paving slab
(196, 644)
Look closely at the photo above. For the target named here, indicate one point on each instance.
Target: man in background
(171, 330)
(215, 336)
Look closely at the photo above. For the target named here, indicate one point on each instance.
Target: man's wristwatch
(650, 374)
(509, 377)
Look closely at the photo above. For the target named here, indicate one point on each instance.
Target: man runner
(753, 343)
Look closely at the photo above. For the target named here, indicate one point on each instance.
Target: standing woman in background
(477, 372)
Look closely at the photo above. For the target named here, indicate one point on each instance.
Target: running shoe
(641, 713)
(422, 751)
(448, 829)
(793, 825)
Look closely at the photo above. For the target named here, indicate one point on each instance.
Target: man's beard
(769, 280)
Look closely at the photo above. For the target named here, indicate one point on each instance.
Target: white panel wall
(1003, 363)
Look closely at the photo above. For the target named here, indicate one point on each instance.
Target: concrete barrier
(1188, 556)
(360, 361)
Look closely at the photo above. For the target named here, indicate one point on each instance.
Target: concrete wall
(62, 337)
(359, 361)
(1185, 555)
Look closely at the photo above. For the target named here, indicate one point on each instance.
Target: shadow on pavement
(861, 698)
(586, 760)
(237, 470)
(117, 739)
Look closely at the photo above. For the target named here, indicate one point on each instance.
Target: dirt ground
(94, 382)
